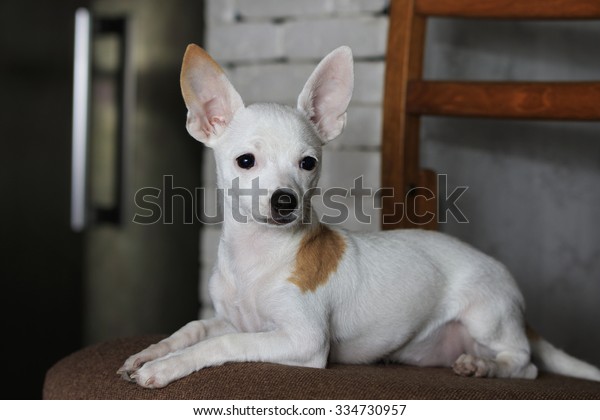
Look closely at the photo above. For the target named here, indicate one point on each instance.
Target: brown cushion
(91, 374)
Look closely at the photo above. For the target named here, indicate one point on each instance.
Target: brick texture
(313, 39)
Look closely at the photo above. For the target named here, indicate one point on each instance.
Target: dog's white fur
(293, 292)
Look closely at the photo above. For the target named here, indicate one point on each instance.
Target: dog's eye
(308, 163)
(246, 161)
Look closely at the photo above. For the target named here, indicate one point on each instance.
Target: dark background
(48, 301)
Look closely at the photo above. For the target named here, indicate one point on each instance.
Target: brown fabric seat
(91, 374)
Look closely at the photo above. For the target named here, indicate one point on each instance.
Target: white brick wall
(307, 39)
(269, 48)
(246, 42)
(282, 82)
(270, 9)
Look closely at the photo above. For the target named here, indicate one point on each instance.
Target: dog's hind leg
(501, 348)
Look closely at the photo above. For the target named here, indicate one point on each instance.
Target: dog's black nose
(283, 204)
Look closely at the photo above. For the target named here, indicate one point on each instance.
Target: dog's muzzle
(284, 203)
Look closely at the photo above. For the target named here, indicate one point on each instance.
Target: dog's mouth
(277, 220)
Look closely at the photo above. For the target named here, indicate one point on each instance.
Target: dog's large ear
(210, 99)
(327, 93)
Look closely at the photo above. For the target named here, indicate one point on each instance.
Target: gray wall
(534, 192)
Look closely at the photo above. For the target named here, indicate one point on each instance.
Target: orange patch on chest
(318, 257)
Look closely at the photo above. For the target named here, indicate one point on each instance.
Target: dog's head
(268, 156)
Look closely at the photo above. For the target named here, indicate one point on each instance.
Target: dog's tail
(551, 359)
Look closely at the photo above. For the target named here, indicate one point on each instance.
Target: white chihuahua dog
(287, 289)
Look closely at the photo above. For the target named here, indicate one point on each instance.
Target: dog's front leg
(273, 346)
(189, 334)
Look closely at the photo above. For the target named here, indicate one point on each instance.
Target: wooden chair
(407, 96)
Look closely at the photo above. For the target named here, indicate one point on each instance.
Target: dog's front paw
(133, 363)
(160, 373)
(468, 365)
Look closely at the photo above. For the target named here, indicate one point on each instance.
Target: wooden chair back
(407, 96)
